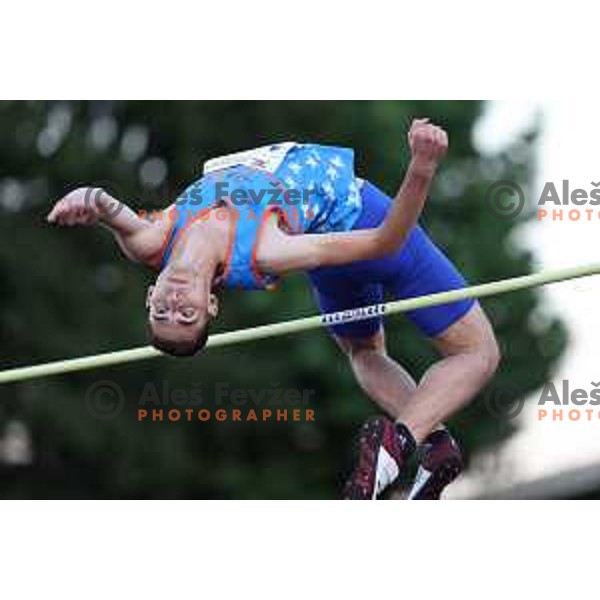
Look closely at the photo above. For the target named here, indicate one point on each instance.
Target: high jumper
(233, 228)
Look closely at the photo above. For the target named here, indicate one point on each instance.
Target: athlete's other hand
(83, 206)
(428, 144)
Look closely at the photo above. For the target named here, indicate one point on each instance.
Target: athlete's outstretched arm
(428, 144)
(141, 240)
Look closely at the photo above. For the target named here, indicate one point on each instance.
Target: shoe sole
(440, 478)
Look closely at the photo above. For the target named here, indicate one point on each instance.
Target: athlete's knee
(474, 337)
(485, 353)
(488, 351)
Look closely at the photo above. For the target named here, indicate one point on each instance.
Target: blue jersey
(311, 189)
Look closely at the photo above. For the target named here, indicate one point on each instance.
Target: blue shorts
(417, 269)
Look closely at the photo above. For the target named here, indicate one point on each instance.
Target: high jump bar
(228, 338)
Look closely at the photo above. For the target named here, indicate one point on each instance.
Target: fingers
(69, 211)
(440, 139)
(61, 213)
(70, 217)
(427, 139)
(423, 126)
(57, 212)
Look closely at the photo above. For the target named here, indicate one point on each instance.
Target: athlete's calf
(470, 357)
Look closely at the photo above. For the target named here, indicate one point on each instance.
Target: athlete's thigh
(336, 293)
(472, 332)
(351, 345)
(424, 269)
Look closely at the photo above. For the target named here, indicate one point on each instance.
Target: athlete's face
(180, 305)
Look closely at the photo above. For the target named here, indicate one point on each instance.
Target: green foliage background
(68, 293)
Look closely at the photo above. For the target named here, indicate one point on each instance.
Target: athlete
(254, 216)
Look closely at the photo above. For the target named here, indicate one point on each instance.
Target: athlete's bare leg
(470, 356)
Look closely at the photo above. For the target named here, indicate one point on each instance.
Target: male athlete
(257, 215)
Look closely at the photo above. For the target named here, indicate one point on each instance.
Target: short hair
(180, 348)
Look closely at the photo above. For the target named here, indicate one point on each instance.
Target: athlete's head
(181, 306)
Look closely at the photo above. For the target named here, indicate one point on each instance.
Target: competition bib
(266, 158)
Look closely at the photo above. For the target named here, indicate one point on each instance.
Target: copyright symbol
(92, 200)
(104, 400)
(501, 404)
(500, 198)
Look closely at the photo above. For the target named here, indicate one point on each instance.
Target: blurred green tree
(68, 293)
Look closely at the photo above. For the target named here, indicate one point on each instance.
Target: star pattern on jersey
(354, 195)
(295, 168)
(337, 162)
(332, 173)
(328, 189)
(330, 193)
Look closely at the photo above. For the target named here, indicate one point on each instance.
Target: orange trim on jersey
(230, 241)
(169, 234)
(281, 215)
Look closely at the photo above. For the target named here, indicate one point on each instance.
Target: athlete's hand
(428, 144)
(83, 206)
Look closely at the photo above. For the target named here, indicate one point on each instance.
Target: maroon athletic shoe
(383, 448)
(440, 465)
